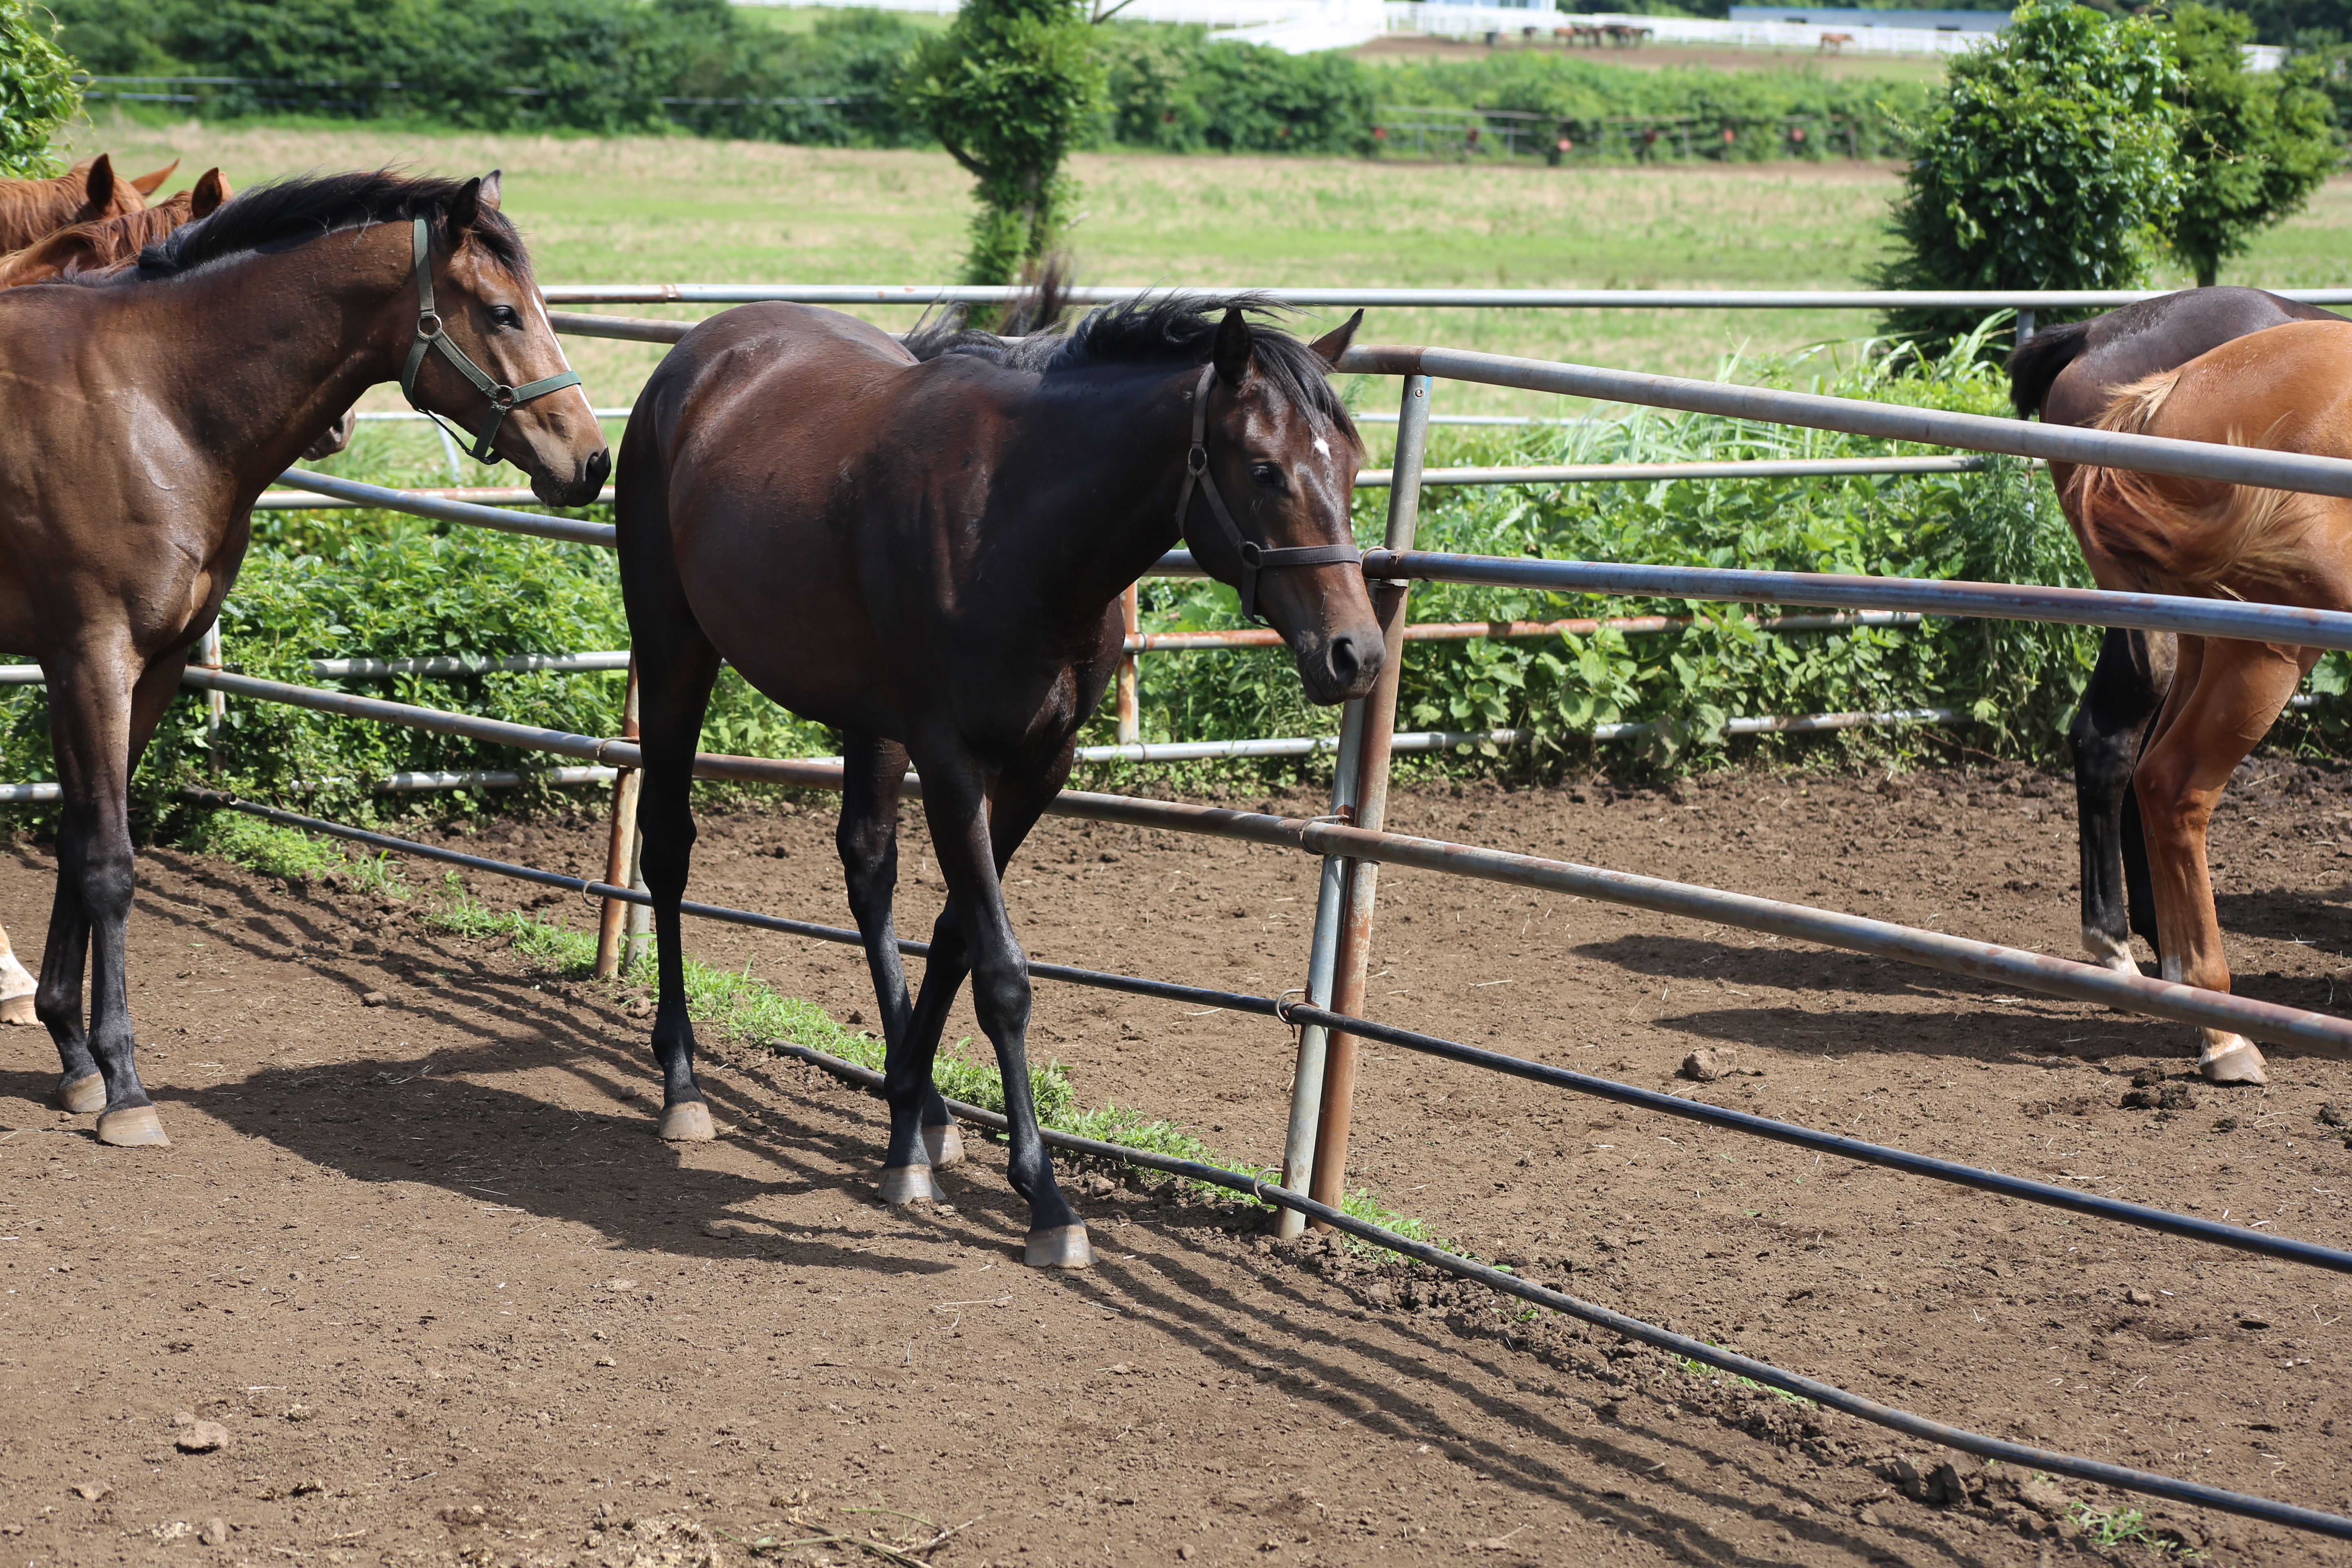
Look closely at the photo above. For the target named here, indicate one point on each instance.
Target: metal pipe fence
(924, 294)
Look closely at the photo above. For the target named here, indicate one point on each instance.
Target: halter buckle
(503, 397)
(1196, 461)
(428, 332)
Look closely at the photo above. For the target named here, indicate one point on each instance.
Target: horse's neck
(298, 333)
(1109, 491)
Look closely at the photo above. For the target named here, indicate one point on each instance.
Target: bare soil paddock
(449, 1301)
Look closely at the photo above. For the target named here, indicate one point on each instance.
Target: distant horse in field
(141, 415)
(104, 244)
(2285, 388)
(2068, 374)
(924, 545)
(89, 191)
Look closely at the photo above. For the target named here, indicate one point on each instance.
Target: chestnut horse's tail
(2185, 534)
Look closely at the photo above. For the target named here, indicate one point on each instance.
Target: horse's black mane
(1167, 329)
(302, 207)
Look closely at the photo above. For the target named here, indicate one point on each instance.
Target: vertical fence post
(208, 657)
(1131, 720)
(621, 850)
(2024, 330)
(1328, 1182)
(1322, 958)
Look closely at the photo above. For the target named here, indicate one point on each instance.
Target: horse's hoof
(136, 1128)
(17, 1009)
(945, 1145)
(85, 1095)
(688, 1122)
(909, 1185)
(1065, 1246)
(2237, 1062)
(2108, 953)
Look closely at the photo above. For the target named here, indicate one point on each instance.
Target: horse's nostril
(599, 467)
(1344, 660)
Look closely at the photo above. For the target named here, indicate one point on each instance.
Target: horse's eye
(505, 316)
(1266, 474)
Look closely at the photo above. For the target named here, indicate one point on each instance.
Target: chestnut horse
(89, 191)
(104, 244)
(141, 415)
(2286, 388)
(2068, 374)
(924, 545)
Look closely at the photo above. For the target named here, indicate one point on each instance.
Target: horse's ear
(1232, 350)
(466, 211)
(490, 188)
(211, 190)
(148, 184)
(98, 190)
(1333, 344)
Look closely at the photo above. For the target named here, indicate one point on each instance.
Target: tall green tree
(1007, 89)
(37, 92)
(2051, 161)
(2256, 144)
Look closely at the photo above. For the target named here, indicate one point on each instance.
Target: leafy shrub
(1174, 90)
(36, 92)
(2051, 161)
(2256, 144)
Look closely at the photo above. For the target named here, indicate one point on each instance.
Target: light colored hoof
(2108, 953)
(2236, 1062)
(945, 1145)
(1067, 1248)
(687, 1122)
(86, 1096)
(17, 1009)
(137, 1127)
(909, 1185)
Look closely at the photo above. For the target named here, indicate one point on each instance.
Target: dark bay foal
(923, 545)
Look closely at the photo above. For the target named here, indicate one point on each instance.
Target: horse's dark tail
(2037, 362)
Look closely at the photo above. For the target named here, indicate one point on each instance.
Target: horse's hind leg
(2223, 702)
(2119, 703)
(873, 774)
(96, 735)
(973, 851)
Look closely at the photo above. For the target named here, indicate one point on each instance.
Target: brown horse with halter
(142, 413)
(104, 244)
(924, 544)
(2287, 388)
(85, 192)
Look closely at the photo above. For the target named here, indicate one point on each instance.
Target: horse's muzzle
(581, 487)
(1342, 668)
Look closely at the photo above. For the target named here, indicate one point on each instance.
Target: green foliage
(1008, 89)
(1998, 524)
(1609, 111)
(1174, 90)
(2052, 162)
(37, 92)
(2256, 144)
(275, 850)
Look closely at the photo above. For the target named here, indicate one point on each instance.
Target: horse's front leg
(955, 799)
(93, 727)
(2224, 701)
(874, 771)
(2117, 706)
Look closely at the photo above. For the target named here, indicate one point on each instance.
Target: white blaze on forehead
(1322, 445)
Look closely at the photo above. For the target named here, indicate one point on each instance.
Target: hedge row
(617, 66)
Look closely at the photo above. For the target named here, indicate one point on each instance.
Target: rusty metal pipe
(621, 845)
(1469, 631)
(1124, 702)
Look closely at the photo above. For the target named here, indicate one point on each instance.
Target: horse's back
(2287, 387)
(2157, 335)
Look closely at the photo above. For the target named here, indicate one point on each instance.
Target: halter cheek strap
(503, 398)
(1254, 557)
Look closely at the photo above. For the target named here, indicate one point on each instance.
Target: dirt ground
(447, 1301)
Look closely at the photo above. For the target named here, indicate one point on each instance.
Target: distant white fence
(1307, 26)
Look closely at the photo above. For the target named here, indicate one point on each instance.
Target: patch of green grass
(276, 850)
(2111, 1527)
(1697, 1368)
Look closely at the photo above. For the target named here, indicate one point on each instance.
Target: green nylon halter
(503, 398)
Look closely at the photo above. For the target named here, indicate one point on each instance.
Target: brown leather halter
(1254, 557)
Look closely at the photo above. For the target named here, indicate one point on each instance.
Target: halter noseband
(504, 399)
(1254, 557)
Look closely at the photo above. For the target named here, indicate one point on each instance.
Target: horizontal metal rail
(2148, 1483)
(480, 495)
(1990, 600)
(1933, 950)
(1649, 473)
(1860, 417)
(457, 666)
(410, 415)
(1987, 299)
(424, 504)
(2242, 1238)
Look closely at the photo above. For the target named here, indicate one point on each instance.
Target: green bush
(1173, 89)
(2256, 144)
(2051, 161)
(36, 92)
